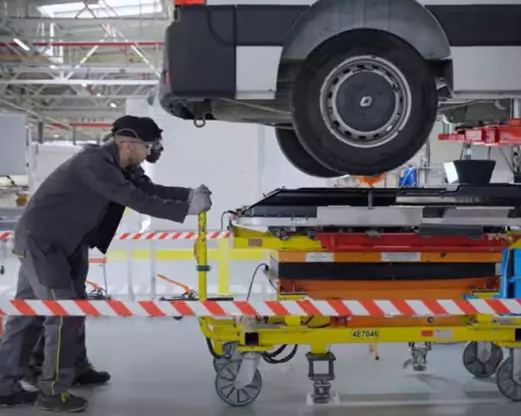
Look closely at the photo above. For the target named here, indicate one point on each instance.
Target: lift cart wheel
(505, 382)
(229, 393)
(228, 350)
(478, 368)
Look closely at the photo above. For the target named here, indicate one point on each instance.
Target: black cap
(143, 128)
(152, 125)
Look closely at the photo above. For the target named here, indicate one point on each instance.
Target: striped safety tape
(377, 308)
(181, 235)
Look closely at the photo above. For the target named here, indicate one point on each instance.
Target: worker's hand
(201, 189)
(200, 202)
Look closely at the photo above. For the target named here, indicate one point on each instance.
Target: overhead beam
(61, 81)
(76, 97)
(87, 125)
(89, 44)
(102, 57)
(85, 69)
(100, 114)
(99, 20)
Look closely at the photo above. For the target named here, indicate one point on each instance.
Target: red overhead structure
(495, 135)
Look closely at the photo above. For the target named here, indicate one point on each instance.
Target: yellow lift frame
(230, 338)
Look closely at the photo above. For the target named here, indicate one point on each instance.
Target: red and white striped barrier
(338, 308)
(181, 235)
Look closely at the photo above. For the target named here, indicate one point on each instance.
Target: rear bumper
(201, 52)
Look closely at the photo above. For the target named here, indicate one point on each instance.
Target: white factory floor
(163, 366)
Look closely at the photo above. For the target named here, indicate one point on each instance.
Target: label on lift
(365, 333)
(400, 257)
(437, 333)
(443, 333)
(319, 257)
(299, 221)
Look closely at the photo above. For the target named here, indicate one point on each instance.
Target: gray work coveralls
(80, 268)
(79, 205)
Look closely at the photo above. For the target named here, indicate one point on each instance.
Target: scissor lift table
(367, 244)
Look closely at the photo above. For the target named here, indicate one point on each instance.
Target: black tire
(386, 58)
(298, 156)
(506, 382)
(475, 366)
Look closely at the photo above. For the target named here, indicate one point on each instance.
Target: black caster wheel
(229, 393)
(478, 368)
(228, 351)
(505, 382)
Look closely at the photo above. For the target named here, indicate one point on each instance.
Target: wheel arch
(406, 19)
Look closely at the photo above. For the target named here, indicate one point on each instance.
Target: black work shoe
(64, 402)
(90, 377)
(18, 398)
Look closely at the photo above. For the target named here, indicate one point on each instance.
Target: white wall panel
(137, 107)
(223, 156)
(239, 162)
(13, 144)
(47, 157)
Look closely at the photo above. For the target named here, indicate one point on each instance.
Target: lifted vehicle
(351, 86)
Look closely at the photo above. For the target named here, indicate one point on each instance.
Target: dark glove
(200, 202)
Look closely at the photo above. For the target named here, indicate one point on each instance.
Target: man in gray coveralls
(79, 205)
(86, 374)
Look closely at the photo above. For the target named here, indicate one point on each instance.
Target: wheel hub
(365, 101)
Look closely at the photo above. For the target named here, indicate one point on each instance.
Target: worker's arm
(141, 180)
(98, 171)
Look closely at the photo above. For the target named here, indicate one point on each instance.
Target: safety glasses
(136, 139)
(156, 145)
(140, 142)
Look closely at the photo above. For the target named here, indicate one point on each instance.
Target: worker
(86, 374)
(79, 205)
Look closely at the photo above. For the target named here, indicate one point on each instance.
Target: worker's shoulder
(96, 154)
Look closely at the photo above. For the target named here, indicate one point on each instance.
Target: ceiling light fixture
(21, 44)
